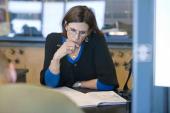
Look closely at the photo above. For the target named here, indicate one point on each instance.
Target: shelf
(118, 39)
(113, 42)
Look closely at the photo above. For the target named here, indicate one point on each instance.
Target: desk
(108, 109)
(120, 108)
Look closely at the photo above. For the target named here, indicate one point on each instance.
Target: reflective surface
(37, 18)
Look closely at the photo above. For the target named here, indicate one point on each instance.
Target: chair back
(24, 98)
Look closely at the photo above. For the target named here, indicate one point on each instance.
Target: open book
(92, 98)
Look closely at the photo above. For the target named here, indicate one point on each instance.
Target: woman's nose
(77, 36)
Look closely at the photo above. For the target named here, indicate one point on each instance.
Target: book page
(92, 98)
(107, 97)
(81, 99)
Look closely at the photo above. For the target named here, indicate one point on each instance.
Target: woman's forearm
(95, 84)
(91, 84)
(55, 66)
(51, 80)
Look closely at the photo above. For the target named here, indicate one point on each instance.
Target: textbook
(90, 99)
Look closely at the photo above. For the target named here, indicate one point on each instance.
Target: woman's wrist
(78, 84)
(89, 84)
(55, 61)
(55, 66)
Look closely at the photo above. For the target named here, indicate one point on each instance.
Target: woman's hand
(68, 47)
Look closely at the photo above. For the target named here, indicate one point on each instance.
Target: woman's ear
(66, 27)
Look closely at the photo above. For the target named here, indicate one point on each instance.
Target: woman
(79, 56)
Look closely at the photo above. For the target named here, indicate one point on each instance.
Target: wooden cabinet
(30, 58)
(121, 58)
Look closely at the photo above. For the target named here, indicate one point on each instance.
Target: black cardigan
(95, 62)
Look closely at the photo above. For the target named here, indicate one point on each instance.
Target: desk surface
(124, 108)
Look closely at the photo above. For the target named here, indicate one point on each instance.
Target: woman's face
(77, 32)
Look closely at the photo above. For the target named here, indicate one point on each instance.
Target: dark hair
(81, 14)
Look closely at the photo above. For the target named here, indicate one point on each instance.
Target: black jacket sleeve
(51, 46)
(105, 68)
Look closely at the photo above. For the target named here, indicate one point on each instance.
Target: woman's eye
(82, 32)
(73, 30)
